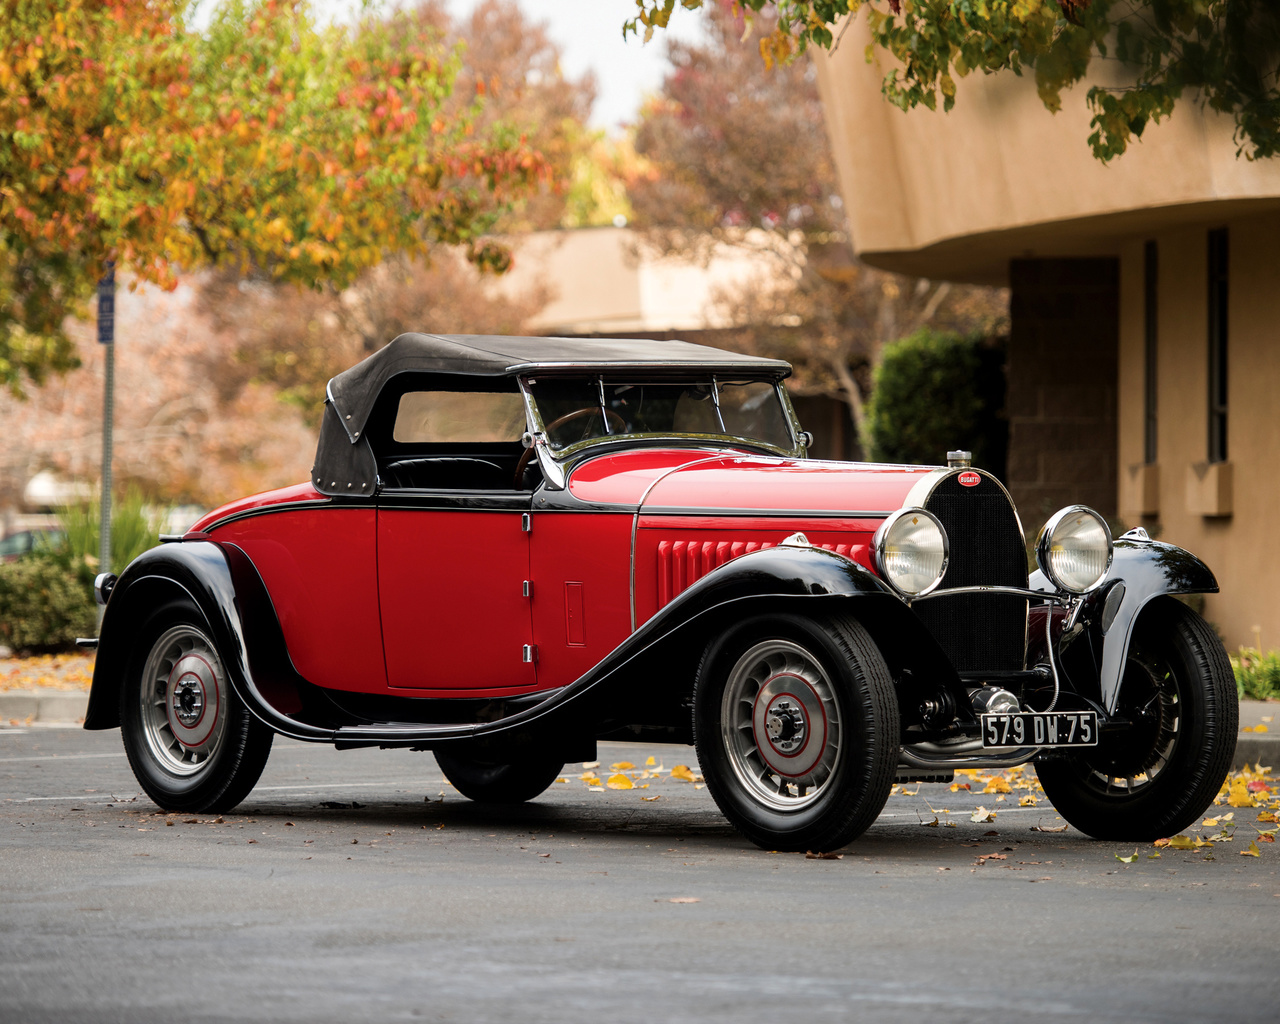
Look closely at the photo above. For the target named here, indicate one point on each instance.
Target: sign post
(107, 337)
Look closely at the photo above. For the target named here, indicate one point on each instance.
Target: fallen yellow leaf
(590, 764)
(562, 780)
(620, 766)
(649, 798)
(1127, 860)
(1209, 822)
(1026, 801)
(590, 778)
(650, 762)
(681, 771)
(620, 781)
(1260, 728)
(1160, 842)
(997, 785)
(982, 815)
(1253, 851)
(1239, 795)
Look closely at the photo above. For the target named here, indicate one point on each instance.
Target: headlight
(911, 551)
(1074, 549)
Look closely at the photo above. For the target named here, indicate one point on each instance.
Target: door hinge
(530, 653)
(527, 588)
(526, 522)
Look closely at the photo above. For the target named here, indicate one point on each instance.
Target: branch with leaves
(263, 141)
(1224, 52)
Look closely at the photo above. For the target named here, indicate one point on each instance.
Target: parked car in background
(511, 548)
(21, 543)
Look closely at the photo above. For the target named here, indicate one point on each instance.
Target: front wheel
(1159, 775)
(193, 745)
(795, 721)
(498, 783)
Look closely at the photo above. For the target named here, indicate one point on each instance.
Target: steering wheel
(590, 410)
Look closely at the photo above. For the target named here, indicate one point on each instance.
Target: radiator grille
(988, 631)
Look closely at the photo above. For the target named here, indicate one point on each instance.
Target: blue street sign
(107, 307)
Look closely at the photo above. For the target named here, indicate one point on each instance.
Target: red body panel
(454, 614)
(673, 552)
(282, 495)
(621, 478)
(581, 572)
(320, 568)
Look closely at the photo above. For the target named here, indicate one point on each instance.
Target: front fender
(1141, 570)
(198, 572)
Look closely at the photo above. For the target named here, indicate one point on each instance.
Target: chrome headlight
(911, 551)
(1074, 549)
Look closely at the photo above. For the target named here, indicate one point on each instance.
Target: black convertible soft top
(353, 392)
(345, 465)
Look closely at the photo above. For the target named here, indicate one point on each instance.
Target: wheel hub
(786, 725)
(191, 700)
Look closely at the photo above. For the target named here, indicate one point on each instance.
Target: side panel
(320, 568)
(673, 552)
(581, 567)
(454, 613)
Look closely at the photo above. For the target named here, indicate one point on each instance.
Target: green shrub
(132, 532)
(43, 605)
(938, 391)
(1257, 674)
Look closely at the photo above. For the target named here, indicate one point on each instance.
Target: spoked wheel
(796, 726)
(1156, 777)
(498, 783)
(191, 742)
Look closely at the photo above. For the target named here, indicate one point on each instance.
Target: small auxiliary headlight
(1074, 549)
(911, 551)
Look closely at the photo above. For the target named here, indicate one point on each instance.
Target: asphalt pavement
(357, 885)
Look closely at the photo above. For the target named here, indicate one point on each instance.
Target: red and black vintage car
(511, 548)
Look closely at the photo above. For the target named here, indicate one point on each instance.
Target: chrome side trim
(284, 506)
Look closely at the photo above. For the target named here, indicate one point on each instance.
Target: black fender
(653, 666)
(199, 572)
(1141, 570)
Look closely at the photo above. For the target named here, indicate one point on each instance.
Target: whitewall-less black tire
(796, 726)
(193, 745)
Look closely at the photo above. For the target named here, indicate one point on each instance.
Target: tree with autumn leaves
(735, 157)
(261, 142)
(1224, 53)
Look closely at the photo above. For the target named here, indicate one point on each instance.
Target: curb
(43, 706)
(1254, 750)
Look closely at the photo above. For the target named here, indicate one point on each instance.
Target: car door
(453, 548)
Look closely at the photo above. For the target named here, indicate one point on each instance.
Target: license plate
(1041, 729)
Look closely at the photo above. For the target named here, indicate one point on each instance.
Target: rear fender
(199, 573)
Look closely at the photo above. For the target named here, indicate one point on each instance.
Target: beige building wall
(1241, 546)
(1000, 183)
(957, 195)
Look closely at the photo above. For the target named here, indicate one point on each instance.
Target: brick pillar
(1064, 339)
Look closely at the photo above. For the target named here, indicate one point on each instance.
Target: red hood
(687, 479)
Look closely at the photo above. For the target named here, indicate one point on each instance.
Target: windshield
(575, 410)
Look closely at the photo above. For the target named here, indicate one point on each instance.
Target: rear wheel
(796, 726)
(192, 744)
(1157, 777)
(498, 783)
